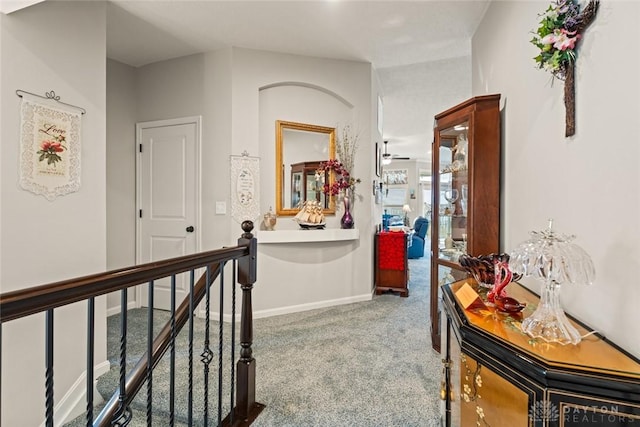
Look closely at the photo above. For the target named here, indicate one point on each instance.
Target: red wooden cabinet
(391, 262)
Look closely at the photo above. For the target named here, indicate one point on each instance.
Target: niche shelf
(307, 236)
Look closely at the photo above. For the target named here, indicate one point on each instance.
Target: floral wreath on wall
(562, 25)
(342, 178)
(346, 147)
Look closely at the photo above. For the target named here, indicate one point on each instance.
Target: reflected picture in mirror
(300, 148)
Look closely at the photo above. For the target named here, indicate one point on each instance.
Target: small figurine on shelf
(269, 220)
(310, 216)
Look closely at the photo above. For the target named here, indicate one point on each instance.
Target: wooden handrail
(25, 302)
(45, 298)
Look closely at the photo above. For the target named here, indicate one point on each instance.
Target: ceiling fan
(387, 157)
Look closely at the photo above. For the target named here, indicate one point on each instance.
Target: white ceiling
(388, 34)
(8, 6)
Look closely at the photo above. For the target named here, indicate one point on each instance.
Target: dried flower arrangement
(346, 147)
(561, 27)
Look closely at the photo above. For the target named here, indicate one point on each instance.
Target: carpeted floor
(364, 364)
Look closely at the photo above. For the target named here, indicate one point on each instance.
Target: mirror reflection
(300, 148)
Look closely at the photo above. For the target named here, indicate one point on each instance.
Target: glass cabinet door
(453, 191)
(465, 158)
(296, 189)
(314, 188)
(307, 185)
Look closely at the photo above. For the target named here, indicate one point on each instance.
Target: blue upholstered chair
(420, 226)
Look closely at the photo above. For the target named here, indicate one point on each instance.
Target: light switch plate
(221, 208)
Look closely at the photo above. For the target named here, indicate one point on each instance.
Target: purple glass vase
(346, 221)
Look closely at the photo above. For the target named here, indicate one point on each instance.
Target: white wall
(590, 183)
(121, 184)
(376, 137)
(56, 46)
(230, 90)
(295, 277)
(300, 104)
(197, 85)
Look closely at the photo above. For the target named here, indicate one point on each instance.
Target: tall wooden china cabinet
(465, 192)
(305, 185)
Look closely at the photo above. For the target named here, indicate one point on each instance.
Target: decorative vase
(346, 221)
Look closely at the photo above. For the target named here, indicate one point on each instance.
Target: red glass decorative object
(509, 305)
(481, 268)
(493, 271)
(502, 276)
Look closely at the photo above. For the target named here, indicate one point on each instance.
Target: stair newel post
(246, 406)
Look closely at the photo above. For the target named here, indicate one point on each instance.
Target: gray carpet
(364, 364)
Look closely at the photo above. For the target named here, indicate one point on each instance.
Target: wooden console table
(391, 262)
(496, 375)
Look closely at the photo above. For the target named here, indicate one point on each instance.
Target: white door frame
(140, 126)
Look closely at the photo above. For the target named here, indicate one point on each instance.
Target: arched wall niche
(294, 102)
(308, 86)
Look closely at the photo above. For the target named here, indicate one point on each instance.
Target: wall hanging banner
(245, 188)
(50, 148)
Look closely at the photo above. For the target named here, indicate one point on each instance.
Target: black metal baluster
(206, 355)
(49, 368)
(123, 414)
(150, 353)
(220, 342)
(191, 310)
(233, 339)
(90, 357)
(172, 366)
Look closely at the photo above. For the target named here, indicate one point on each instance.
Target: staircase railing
(243, 407)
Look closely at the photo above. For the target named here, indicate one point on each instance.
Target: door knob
(190, 229)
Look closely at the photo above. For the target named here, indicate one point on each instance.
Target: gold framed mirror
(300, 148)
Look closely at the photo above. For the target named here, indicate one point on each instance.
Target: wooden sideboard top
(592, 354)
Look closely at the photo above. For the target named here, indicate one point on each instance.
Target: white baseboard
(116, 310)
(310, 306)
(214, 315)
(74, 402)
(292, 308)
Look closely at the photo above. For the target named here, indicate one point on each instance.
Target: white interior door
(168, 200)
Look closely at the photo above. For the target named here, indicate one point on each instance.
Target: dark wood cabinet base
(404, 292)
